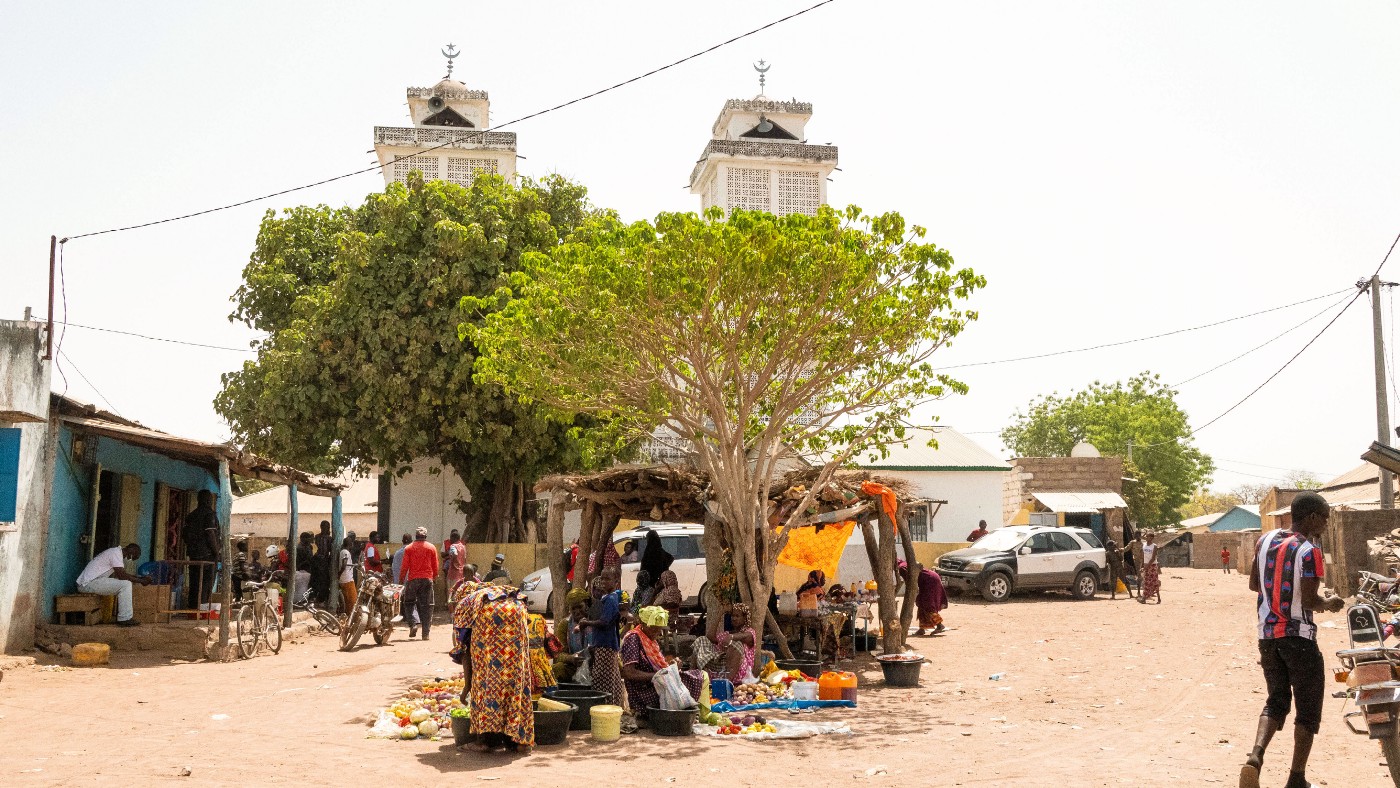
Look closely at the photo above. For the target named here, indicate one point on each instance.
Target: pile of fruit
(760, 692)
(737, 725)
(426, 708)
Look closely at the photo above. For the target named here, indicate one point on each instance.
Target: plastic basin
(665, 722)
(583, 701)
(901, 672)
(808, 667)
(551, 726)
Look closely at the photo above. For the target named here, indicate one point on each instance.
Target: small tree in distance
(748, 337)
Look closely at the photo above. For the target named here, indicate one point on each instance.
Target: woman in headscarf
(655, 559)
(738, 644)
(810, 594)
(930, 602)
(491, 641)
(543, 647)
(645, 592)
(604, 667)
(572, 635)
(668, 594)
(642, 659)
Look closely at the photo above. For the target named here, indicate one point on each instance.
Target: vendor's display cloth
(783, 730)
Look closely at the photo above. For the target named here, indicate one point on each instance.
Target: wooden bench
(89, 606)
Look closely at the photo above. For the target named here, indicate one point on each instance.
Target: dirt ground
(1094, 693)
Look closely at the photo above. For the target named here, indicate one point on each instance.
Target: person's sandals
(1249, 773)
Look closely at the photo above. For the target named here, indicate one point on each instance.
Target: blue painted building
(1241, 518)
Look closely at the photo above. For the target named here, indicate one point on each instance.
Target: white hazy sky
(1114, 169)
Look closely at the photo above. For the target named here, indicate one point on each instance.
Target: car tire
(1086, 585)
(549, 604)
(996, 587)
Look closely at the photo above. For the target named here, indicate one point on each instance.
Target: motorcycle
(376, 610)
(1371, 671)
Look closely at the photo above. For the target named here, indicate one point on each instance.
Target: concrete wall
(24, 389)
(428, 499)
(971, 496)
(273, 526)
(66, 553)
(1344, 543)
(1206, 552)
(1057, 474)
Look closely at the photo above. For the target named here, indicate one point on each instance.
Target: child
(1225, 559)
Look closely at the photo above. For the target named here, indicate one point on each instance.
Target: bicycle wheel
(272, 629)
(327, 620)
(247, 632)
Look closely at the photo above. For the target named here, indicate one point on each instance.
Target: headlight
(530, 585)
(975, 566)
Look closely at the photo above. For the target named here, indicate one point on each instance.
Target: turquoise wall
(70, 514)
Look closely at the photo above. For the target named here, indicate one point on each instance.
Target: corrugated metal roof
(1080, 501)
(1204, 520)
(953, 452)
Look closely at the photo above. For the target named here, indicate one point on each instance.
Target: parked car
(684, 541)
(1023, 557)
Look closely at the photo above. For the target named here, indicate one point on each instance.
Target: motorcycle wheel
(353, 629)
(1390, 748)
(381, 635)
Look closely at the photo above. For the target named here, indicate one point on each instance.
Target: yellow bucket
(91, 653)
(607, 722)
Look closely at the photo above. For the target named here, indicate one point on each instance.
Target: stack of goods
(760, 692)
(426, 708)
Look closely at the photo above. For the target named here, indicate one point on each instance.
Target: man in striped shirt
(1287, 575)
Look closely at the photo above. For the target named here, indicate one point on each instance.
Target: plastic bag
(583, 675)
(674, 695)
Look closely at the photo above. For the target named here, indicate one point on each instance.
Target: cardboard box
(148, 601)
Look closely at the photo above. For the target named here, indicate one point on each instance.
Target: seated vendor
(642, 659)
(738, 644)
(810, 594)
(572, 636)
(106, 575)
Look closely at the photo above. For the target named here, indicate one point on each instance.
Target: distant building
(1068, 491)
(956, 470)
(265, 513)
(758, 158)
(1244, 517)
(449, 139)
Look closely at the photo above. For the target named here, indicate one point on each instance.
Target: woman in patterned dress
(543, 647)
(642, 658)
(491, 637)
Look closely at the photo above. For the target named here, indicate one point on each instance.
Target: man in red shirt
(978, 532)
(1225, 559)
(416, 571)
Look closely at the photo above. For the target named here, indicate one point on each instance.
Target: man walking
(1287, 574)
(454, 559)
(416, 572)
(1225, 559)
(1114, 554)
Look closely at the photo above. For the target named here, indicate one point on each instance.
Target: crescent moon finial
(450, 53)
(762, 67)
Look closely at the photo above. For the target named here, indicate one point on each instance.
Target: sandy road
(1097, 693)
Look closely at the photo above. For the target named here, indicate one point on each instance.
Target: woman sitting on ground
(738, 644)
(642, 659)
(572, 636)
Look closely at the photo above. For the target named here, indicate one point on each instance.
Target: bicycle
(325, 619)
(257, 620)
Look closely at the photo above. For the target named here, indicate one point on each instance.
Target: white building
(956, 470)
(758, 158)
(265, 513)
(449, 139)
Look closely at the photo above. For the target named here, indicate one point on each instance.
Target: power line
(523, 118)
(1261, 346)
(158, 339)
(1273, 467)
(1141, 339)
(91, 385)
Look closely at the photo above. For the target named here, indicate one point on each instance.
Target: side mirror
(1024, 551)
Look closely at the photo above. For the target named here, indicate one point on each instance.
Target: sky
(1115, 170)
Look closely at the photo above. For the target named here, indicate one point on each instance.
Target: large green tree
(364, 364)
(748, 337)
(1138, 418)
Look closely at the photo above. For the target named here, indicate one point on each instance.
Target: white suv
(684, 541)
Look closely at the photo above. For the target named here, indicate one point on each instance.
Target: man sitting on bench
(106, 575)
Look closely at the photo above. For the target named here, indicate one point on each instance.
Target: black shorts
(1293, 672)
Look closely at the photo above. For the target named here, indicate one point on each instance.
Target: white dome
(1084, 450)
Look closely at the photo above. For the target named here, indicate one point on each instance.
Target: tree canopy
(1141, 411)
(364, 363)
(748, 337)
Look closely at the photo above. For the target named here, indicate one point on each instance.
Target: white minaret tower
(445, 113)
(759, 159)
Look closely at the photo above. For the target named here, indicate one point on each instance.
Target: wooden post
(586, 533)
(911, 586)
(889, 616)
(554, 539)
(337, 537)
(291, 579)
(225, 564)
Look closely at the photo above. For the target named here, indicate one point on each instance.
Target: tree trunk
(554, 537)
(714, 564)
(893, 639)
(911, 586)
(585, 544)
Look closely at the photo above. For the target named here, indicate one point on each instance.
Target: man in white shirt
(106, 575)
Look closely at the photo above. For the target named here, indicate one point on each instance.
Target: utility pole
(1387, 482)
